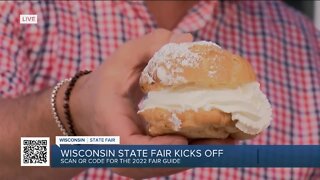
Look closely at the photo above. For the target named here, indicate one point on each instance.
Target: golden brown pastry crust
(227, 71)
(200, 124)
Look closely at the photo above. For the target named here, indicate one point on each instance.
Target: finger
(135, 52)
(227, 141)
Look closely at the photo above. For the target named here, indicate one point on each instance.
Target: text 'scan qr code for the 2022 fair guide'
(35, 151)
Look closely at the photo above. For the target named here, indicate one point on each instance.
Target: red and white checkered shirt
(281, 44)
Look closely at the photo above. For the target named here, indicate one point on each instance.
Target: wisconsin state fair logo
(28, 19)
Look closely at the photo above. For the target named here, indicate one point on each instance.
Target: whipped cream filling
(247, 104)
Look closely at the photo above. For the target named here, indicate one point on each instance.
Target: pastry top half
(198, 64)
(200, 90)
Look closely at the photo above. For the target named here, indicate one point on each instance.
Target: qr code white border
(35, 138)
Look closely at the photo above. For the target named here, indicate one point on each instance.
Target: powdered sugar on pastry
(176, 122)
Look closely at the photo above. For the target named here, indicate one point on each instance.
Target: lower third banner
(185, 156)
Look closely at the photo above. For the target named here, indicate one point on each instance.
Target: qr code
(35, 151)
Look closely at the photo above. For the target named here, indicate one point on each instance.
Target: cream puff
(199, 90)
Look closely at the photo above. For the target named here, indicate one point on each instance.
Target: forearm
(24, 117)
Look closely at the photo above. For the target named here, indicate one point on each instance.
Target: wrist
(79, 107)
(65, 107)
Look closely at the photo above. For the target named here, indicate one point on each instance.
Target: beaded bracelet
(54, 106)
(67, 98)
